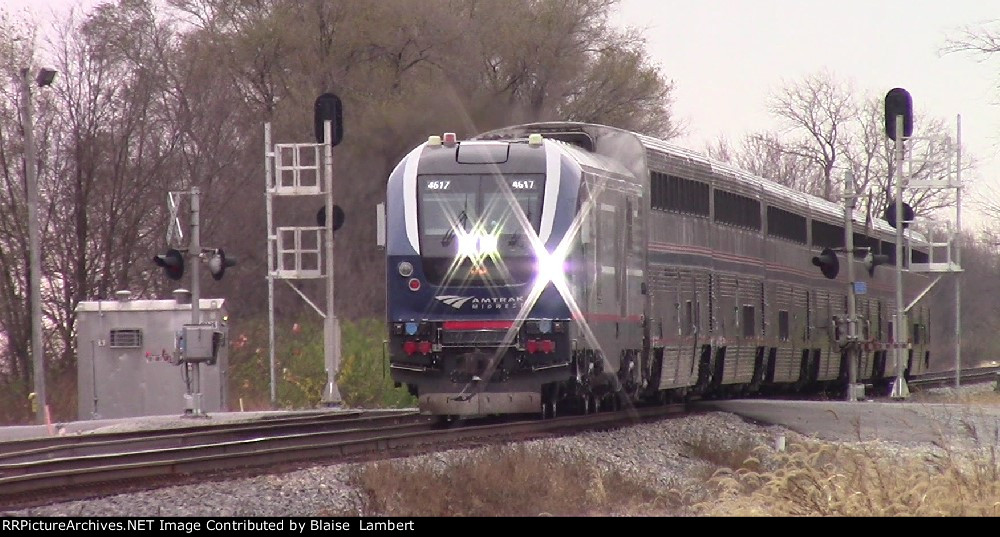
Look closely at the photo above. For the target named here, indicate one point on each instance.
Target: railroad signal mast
(899, 128)
(899, 125)
(195, 342)
(829, 265)
(295, 252)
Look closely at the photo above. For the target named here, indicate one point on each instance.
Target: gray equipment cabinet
(127, 360)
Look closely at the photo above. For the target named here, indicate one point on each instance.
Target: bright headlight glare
(477, 245)
(487, 245)
(467, 245)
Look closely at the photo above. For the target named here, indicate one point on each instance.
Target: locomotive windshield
(481, 221)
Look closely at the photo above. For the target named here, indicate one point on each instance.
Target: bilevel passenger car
(574, 266)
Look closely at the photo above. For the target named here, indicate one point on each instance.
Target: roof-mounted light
(535, 139)
(449, 139)
(434, 141)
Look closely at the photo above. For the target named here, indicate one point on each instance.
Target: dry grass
(811, 478)
(739, 477)
(503, 481)
(817, 479)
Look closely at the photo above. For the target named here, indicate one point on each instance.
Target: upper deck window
(827, 235)
(737, 210)
(676, 194)
(786, 225)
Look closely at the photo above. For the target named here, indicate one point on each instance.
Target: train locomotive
(554, 267)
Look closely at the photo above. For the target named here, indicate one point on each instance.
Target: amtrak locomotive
(573, 266)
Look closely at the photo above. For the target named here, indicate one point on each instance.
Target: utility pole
(45, 78)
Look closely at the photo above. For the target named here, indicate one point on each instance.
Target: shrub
(363, 378)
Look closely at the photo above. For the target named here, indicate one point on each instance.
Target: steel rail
(80, 474)
(112, 442)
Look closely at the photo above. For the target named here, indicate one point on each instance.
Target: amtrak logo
(454, 301)
(490, 303)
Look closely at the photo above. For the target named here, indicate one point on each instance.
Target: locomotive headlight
(411, 329)
(487, 245)
(467, 245)
(477, 245)
(405, 269)
(545, 326)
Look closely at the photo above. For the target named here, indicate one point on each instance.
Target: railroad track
(74, 470)
(42, 470)
(198, 431)
(966, 376)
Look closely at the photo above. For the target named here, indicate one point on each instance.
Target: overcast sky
(726, 56)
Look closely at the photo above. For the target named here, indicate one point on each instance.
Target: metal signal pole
(194, 249)
(899, 388)
(331, 325)
(851, 348)
(958, 251)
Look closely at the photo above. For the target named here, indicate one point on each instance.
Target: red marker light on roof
(449, 139)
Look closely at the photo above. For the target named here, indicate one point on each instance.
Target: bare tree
(816, 111)
(765, 155)
(828, 131)
(982, 40)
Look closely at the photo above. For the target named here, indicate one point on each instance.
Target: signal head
(874, 260)
(172, 263)
(328, 108)
(828, 263)
(338, 217)
(898, 103)
(218, 262)
(890, 214)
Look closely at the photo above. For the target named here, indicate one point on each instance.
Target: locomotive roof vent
(123, 296)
